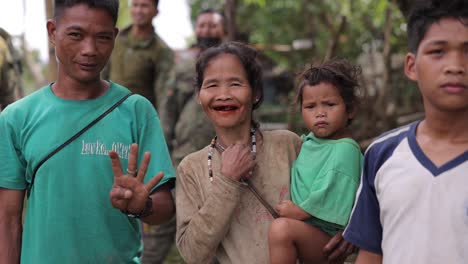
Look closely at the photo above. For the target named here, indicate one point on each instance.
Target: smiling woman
(226, 191)
(226, 95)
(211, 194)
(229, 82)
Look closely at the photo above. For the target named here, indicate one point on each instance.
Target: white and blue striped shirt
(407, 208)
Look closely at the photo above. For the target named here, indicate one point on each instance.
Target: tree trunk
(52, 59)
(333, 42)
(230, 12)
(385, 100)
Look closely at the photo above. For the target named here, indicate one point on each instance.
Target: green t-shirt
(324, 180)
(69, 217)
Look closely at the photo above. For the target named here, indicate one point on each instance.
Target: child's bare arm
(290, 210)
(366, 257)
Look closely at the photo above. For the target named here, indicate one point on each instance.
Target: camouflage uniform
(10, 79)
(141, 65)
(186, 129)
(185, 125)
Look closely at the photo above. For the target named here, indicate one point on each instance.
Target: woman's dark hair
(111, 6)
(339, 73)
(247, 57)
(427, 12)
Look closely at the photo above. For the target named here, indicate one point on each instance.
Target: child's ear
(410, 66)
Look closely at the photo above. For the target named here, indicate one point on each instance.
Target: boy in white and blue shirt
(412, 204)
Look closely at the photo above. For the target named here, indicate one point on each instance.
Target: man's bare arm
(11, 210)
(366, 257)
(338, 249)
(163, 206)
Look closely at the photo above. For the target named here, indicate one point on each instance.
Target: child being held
(325, 176)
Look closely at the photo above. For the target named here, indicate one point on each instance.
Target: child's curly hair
(338, 72)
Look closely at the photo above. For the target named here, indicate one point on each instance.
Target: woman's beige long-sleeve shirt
(223, 218)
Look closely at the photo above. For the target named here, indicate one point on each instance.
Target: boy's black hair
(249, 60)
(339, 73)
(427, 12)
(111, 6)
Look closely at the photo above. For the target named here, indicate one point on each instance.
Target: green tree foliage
(124, 14)
(280, 22)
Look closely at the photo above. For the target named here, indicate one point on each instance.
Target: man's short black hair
(427, 12)
(213, 11)
(209, 11)
(111, 6)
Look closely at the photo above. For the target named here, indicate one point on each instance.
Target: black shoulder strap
(71, 139)
(261, 199)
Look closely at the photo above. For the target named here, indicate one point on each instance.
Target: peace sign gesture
(129, 193)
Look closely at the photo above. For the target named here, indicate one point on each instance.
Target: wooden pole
(230, 13)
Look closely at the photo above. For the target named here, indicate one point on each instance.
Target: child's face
(324, 111)
(225, 94)
(440, 66)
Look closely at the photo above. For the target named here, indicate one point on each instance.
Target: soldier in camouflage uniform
(141, 60)
(185, 125)
(10, 79)
(181, 116)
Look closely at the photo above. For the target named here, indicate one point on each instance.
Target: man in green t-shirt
(141, 60)
(81, 207)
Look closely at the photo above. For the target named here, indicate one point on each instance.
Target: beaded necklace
(221, 149)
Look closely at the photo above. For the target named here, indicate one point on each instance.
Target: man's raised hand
(129, 192)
